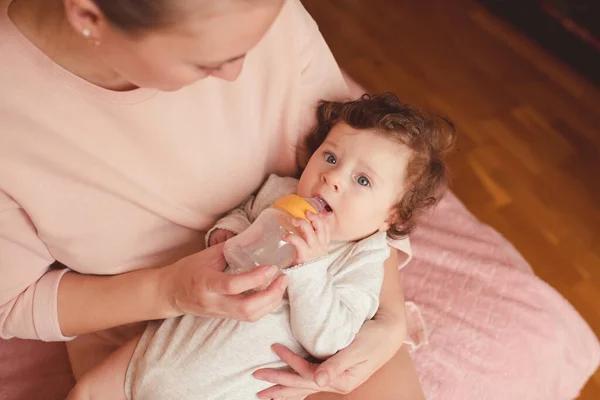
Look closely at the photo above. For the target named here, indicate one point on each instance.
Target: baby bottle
(262, 243)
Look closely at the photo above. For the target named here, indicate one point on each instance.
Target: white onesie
(326, 303)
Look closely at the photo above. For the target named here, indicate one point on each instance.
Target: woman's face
(211, 38)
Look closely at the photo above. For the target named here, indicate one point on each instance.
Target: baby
(377, 164)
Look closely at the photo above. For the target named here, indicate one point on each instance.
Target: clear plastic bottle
(262, 243)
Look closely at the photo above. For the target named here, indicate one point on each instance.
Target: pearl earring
(88, 35)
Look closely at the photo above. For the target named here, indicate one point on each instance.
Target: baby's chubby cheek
(332, 226)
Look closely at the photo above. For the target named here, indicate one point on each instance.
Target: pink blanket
(494, 330)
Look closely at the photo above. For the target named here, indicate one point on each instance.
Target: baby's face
(360, 174)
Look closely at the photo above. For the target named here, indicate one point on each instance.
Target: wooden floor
(529, 128)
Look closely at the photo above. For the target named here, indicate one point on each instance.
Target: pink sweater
(106, 182)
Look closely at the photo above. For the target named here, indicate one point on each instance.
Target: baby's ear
(384, 227)
(390, 220)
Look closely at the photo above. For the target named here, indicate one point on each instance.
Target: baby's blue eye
(330, 158)
(363, 181)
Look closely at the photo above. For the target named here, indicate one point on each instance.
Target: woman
(128, 127)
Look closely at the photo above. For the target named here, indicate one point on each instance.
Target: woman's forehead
(213, 39)
(196, 14)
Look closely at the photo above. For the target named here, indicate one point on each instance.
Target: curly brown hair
(430, 137)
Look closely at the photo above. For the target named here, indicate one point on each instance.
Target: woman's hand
(343, 372)
(198, 286)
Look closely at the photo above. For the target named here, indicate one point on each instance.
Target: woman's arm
(37, 302)
(391, 300)
(89, 303)
(27, 289)
(194, 285)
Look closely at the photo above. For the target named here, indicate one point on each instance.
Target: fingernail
(272, 270)
(322, 378)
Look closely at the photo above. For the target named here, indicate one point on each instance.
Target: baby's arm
(233, 223)
(327, 311)
(107, 380)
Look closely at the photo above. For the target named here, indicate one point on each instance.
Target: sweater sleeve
(327, 311)
(28, 287)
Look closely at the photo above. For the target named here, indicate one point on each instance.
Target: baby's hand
(314, 241)
(219, 236)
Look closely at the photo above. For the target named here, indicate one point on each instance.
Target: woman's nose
(229, 71)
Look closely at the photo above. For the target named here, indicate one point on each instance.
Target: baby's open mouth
(326, 207)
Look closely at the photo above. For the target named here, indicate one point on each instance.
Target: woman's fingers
(212, 258)
(338, 365)
(254, 307)
(230, 284)
(288, 384)
(342, 375)
(244, 307)
(197, 285)
(304, 368)
(285, 378)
